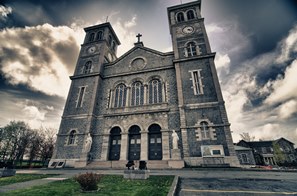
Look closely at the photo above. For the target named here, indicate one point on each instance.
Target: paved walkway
(194, 181)
(64, 174)
(31, 183)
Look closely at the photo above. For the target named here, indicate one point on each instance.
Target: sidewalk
(28, 184)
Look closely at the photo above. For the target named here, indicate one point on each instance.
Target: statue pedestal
(136, 174)
(175, 154)
(83, 161)
(176, 161)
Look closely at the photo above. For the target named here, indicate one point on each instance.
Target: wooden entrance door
(155, 142)
(155, 146)
(134, 143)
(115, 144)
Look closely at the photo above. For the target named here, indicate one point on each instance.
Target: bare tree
(47, 144)
(247, 137)
(17, 139)
(34, 147)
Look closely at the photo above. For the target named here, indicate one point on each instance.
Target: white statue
(88, 143)
(174, 140)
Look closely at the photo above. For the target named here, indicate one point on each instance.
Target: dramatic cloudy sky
(255, 41)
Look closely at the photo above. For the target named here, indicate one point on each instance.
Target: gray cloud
(37, 109)
(31, 54)
(265, 103)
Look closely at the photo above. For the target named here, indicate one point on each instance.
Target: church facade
(163, 108)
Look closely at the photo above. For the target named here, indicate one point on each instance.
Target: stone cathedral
(164, 108)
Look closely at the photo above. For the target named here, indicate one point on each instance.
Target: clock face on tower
(91, 49)
(188, 29)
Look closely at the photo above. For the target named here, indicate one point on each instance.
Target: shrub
(88, 181)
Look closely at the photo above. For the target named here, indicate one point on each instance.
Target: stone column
(165, 144)
(124, 147)
(185, 145)
(110, 99)
(105, 145)
(145, 93)
(163, 92)
(144, 145)
(128, 97)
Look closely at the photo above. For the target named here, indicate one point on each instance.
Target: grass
(22, 178)
(109, 185)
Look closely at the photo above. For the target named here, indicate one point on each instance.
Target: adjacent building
(245, 156)
(273, 152)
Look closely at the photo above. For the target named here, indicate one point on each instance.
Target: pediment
(139, 59)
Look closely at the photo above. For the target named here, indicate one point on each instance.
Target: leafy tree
(278, 153)
(47, 144)
(15, 140)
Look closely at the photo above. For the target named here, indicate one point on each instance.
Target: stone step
(151, 164)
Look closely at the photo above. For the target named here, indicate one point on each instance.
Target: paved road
(236, 186)
(212, 181)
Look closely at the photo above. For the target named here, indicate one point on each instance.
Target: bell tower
(77, 125)
(205, 129)
(99, 47)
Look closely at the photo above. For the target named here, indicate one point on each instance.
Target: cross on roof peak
(138, 36)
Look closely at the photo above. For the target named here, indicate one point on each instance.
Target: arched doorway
(115, 143)
(155, 142)
(134, 143)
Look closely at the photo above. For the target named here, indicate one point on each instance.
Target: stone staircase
(151, 164)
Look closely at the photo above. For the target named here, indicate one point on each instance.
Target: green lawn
(109, 185)
(23, 178)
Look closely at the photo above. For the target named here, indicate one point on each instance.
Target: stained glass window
(81, 96)
(137, 94)
(120, 96)
(88, 67)
(71, 139)
(155, 91)
(197, 82)
(205, 130)
(191, 49)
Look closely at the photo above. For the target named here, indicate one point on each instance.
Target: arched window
(71, 139)
(137, 94)
(180, 17)
(99, 35)
(205, 130)
(109, 40)
(191, 49)
(91, 37)
(88, 67)
(155, 91)
(190, 15)
(120, 96)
